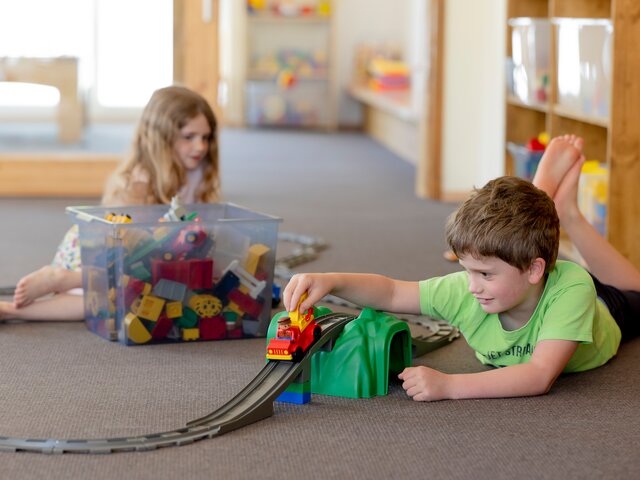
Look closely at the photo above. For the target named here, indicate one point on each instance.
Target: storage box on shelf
(592, 194)
(152, 281)
(300, 105)
(525, 160)
(583, 52)
(530, 41)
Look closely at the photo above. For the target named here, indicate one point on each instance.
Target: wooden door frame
(428, 182)
(196, 54)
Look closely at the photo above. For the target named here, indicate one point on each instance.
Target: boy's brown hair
(509, 218)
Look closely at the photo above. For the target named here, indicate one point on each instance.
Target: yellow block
(150, 308)
(174, 309)
(254, 255)
(233, 307)
(136, 332)
(190, 334)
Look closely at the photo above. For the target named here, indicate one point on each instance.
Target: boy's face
(192, 144)
(501, 288)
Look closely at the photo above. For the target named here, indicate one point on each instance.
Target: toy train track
(253, 403)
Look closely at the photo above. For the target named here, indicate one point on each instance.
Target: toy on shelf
(388, 75)
(527, 157)
(592, 194)
(294, 336)
(286, 79)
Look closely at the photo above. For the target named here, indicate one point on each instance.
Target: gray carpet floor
(61, 381)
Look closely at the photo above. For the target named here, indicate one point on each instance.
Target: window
(124, 47)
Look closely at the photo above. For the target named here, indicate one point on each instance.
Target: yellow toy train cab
(300, 335)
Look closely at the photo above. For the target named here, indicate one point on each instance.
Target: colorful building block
(136, 331)
(213, 328)
(150, 307)
(247, 304)
(255, 258)
(173, 309)
(162, 327)
(190, 334)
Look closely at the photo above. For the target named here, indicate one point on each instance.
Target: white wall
(473, 143)
(381, 22)
(475, 48)
(474, 86)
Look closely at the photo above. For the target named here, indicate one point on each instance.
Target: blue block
(294, 397)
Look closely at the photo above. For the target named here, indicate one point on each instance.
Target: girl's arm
(375, 291)
(532, 378)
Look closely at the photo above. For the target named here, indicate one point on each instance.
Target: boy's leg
(603, 260)
(48, 279)
(60, 307)
(560, 155)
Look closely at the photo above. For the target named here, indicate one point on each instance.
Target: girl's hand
(424, 384)
(317, 285)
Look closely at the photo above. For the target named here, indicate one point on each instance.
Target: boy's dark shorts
(624, 306)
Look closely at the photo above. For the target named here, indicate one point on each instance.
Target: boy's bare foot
(35, 285)
(566, 196)
(561, 154)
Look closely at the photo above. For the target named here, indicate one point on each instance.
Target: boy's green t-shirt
(567, 310)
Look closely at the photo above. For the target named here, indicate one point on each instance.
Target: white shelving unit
(288, 78)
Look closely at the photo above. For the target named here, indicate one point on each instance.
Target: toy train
(295, 334)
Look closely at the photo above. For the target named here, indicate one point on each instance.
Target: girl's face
(192, 144)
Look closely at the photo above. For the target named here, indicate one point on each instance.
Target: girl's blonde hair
(153, 156)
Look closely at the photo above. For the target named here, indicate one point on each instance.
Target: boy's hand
(317, 285)
(424, 384)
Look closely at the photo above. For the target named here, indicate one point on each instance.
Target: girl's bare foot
(450, 256)
(561, 154)
(36, 284)
(7, 311)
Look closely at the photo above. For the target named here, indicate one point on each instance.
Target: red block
(201, 273)
(163, 327)
(213, 328)
(247, 304)
(196, 273)
(134, 288)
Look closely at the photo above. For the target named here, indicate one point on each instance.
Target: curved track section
(253, 403)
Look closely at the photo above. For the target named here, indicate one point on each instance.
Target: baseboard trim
(55, 175)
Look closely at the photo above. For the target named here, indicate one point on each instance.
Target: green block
(189, 318)
(299, 388)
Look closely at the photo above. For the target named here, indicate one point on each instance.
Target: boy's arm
(375, 291)
(532, 378)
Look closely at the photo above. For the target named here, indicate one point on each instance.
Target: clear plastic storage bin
(525, 161)
(530, 48)
(584, 65)
(304, 104)
(152, 281)
(592, 194)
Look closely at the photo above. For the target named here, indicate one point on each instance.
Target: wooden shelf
(515, 101)
(396, 103)
(613, 140)
(581, 117)
(55, 175)
(269, 18)
(263, 77)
